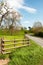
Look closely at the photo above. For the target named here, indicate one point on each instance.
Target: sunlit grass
(30, 55)
(12, 44)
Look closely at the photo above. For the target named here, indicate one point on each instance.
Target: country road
(38, 40)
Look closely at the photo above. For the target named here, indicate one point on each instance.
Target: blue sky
(30, 18)
(31, 10)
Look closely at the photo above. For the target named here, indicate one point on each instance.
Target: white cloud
(31, 10)
(19, 4)
(15, 3)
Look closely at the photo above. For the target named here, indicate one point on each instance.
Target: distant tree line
(37, 29)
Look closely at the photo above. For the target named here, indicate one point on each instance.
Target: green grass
(11, 38)
(30, 55)
(8, 32)
(5, 37)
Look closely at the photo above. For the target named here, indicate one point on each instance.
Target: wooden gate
(23, 42)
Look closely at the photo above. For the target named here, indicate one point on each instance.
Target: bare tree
(9, 16)
(37, 24)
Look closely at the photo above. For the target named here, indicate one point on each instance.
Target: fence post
(27, 38)
(2, 46)
(23, 41)
(14, 43)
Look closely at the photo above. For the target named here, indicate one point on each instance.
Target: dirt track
(4, 62)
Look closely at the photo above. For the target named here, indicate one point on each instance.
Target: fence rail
(24, 42)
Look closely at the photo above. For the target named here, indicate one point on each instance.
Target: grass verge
(30, 55)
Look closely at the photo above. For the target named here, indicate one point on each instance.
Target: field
(30, 55)
(11, 44)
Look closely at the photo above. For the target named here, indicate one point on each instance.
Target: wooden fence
(24, 42)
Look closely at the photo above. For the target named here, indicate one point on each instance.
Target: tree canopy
(8, 16)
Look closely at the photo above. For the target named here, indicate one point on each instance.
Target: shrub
(40, 34)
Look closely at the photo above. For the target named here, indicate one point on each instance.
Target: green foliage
(37, 31)
(40, 34)
(8, 32)
(30, 55)
(2, 56)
